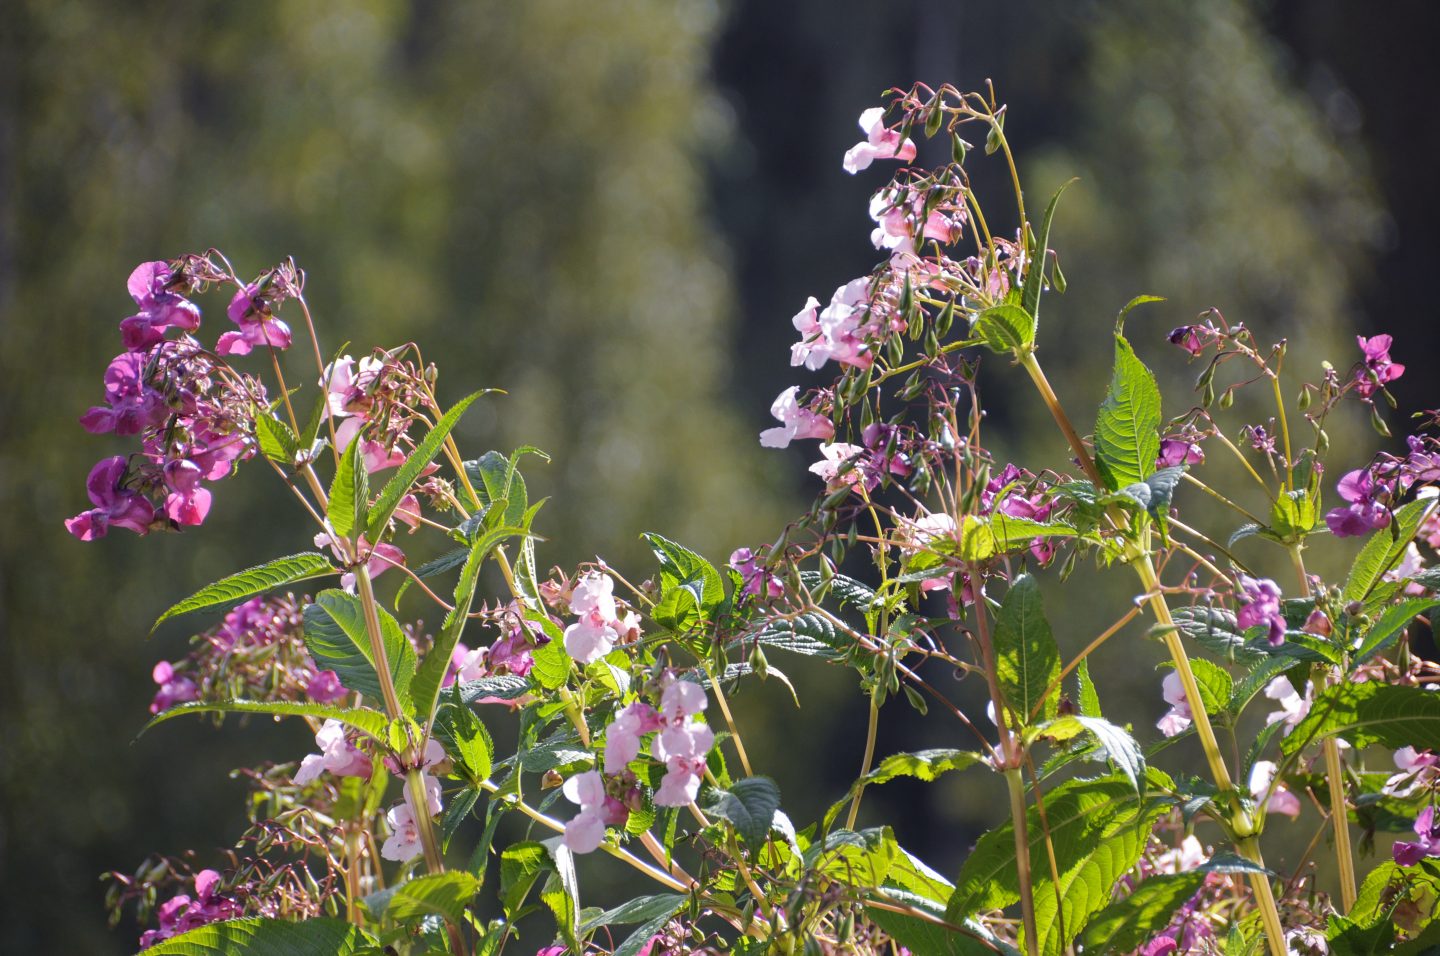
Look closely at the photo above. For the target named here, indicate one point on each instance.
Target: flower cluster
(183, 912)
(601, 624)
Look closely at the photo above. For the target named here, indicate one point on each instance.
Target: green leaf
(1035, 272)
(1009, 534)
(1254, 682)
(637, 940)
(682, 568)
(1027, 661)
(405, 475)
(1098, 828)
(363, 719)
(520, 865)
(1214, 629)
(750, 805)
(923, 936)
(1088, 697)
(1384, 549)
(259, 936)
(1005, 329)
(860, 859)
(345, 508)
(926, 765)
(1215, 685)
(1370, 713)
(641, 909)
(551, 667)
(243, 584)
(440, 894)
(467, 740)
(1294, 515)
(503, 687)
(1391, 624)
(1127, 430)
(561, 892)
(1142, 912)
(277, 440)
(337, 638)
(1346, 937)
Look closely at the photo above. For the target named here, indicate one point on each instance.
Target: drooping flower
(131, 404)
(681, 744)
(796, 422)
(181, 913)
(1365, 512)
(404, 841)
(595, 633)
(337, 755)
(187, 503)
(114, 504)
(586, 830)
(622, 737)
(1378, 370)
(758, 579)
(879, 143)
(1263, 787)
(1260, 604)
(251, 311)
(160, 308)
(1408, 854)
(1419, 770)
(1178, 718)
(325, 688)
(1293, 706)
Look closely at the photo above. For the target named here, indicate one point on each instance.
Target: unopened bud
(1227, 398)
(758, 663)
(551, 779)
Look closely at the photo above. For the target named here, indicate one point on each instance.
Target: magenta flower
(1365, 512)
(258, 327)
(1378, 370)
(758, 580)
(180, 914)
(1260, 604)
(1178, 451)
(337, 755)
(174, 689)
(796, 421)
(114, 505)
(879, 143)
(160, 308)
(325, 688)
(1193, 338)
(187, 503)
(1408, 854)
(130, 404)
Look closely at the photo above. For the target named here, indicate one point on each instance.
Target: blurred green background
(611, 209)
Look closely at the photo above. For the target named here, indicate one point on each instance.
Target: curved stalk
(865, 762)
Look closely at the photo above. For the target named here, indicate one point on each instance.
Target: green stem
(1016, 784)
(865, 762)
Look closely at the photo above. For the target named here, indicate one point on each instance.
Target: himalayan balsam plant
(922, 557)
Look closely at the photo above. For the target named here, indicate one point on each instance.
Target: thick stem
(1016, 783)
(865, 762)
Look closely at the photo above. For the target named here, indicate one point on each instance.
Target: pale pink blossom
(835, 455)
(622, 737)
(1178, 718)
(1182, 859)
(595, 633)
(1293, 707)
(337, 755)
(378, 558)
(1263, 787)
(796, 422)
(404, 841)
(681, 744)
(586, 830)
(1419, 770)
(879, 143)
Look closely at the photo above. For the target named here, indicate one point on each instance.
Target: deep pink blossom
(337, 755)
(174, 688)
(1365, 511)
(1177, 451)
(1260, 604)
(879, 143)
(1378, 370)
(187, 503)
(1408, 854)
(114, 504)
(325, 688)
(131, 405)
(181, 913)
(758, 579)
(250, 310)
(160, 308)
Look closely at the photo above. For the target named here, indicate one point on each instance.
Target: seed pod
(1378, 423)
(1302, 402)
(1227, 398)
(916, 700)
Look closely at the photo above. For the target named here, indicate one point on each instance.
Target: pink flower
(114, 505)
(622, 737)
(1190, 854)
(758, 580)
(595, 634)
(1178, 718)
(586, 830)
(180, 913)
(1408, 854)
(1378, 370)
(337, 755)
(836, 455)
(1365, 512)
(1276, 798)
(681, 744)
(160, 308)
(1418, 770)
(404, 842)
(378, 558)
(879, 143)
(174, 689)
(1260, 604)
(796, 421)
(835, 333)
(1293, 707)
(187, 503)
(325, 688)
(258, 327)
(131, 405)
(1177, 451)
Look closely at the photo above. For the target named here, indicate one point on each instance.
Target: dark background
(612, 210)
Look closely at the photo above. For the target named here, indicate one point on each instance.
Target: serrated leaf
(1391, 624)
(1142, 912)
(1294, 515)
(861, 859)
(1370, 713)
(551, 667)
(750, 805)
(641, 909)
(405, 475)
(926, 765)
(1035, 272)
(561, 892)
(1215, 630)
(682, 568)
(923, 936)
(440, 894)
(465, 738)
(503, 687)
(1215, 685)
(261, 936)
(251, 581)
(1384, 549)
(338, 640)
(1254, 682)
(1008, 533)
(363, 719)
(1127, 430)
(276, 439)
(1004, 329)
(345, 505)
(808, 633)
(1098, 828)
(1088, 698)
(520, 865)
(1027, 660)
(639, 939)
